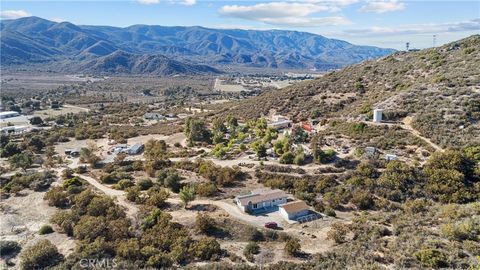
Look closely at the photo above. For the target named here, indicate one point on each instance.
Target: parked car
(271, 225)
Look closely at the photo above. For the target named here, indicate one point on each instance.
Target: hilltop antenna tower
(434, 40)
(407, 45)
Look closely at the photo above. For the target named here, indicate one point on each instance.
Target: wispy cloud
(186, 2)
(293, 13)
(307, 22)
(471, 25)
(181, 2)
(382, 6)
(148, 2)
(14, 14)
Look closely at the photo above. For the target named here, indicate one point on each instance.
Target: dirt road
(407, 121)
(407, 125)
(76, 107)
(132, 209)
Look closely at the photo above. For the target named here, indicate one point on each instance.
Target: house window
(254, 205)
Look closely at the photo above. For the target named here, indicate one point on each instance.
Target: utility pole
(434, 40)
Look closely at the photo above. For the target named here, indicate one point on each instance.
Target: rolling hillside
(438, 88)
(127, 63)
(32, 40)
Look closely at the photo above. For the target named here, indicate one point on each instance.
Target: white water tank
(377, 115)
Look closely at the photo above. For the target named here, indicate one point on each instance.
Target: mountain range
(109, 49)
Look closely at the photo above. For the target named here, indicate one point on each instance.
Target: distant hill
(439, 88)
(127, 63)
(35, 40)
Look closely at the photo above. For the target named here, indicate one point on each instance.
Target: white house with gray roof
(261, 200)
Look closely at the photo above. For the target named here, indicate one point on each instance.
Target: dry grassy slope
(439, 88)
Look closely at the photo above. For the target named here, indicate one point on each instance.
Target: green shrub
(431, 258)
(362, 200)
(206, 189)
(56, 197)
(255, 235)
(74, 181)
(40, 255)
(251, 249)
(338, 232)
(205, 224)
(287, 158)
(45, 229)
(292, 246)
(299, 159)
(330, 212)
(172, 181)
(207, 249)
(468, 50)
(144, 184)
(124, 184)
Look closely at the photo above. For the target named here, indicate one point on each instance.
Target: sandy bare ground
(170, 139)
(309, 168)
(22, 217)
(66, 109)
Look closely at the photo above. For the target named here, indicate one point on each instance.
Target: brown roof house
(294, 210)
(261, 200)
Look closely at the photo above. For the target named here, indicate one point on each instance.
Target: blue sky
(384, 23)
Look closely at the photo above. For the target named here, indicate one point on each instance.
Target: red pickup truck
(271, 225)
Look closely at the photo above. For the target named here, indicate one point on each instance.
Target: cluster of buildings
(270, 200)
(12, 122)
(279, 122)
(374, 153)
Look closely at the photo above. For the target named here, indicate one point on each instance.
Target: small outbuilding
(9, 114)
(153, 116)
(390, 157)
(371, 152)
(377, 115)
(72, 152)
(135, 149)
(13, 130)
(294, 210)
